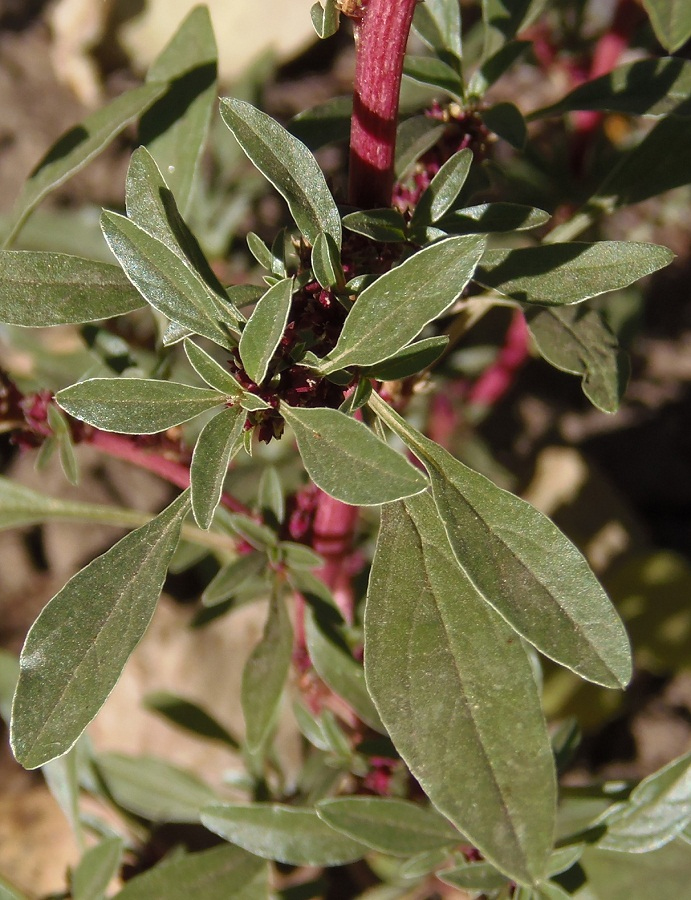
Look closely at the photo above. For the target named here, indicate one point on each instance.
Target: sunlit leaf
(671, 20)
(189, 716)
(264, 330)
(211, 371)
(443, 190)
(218, 442)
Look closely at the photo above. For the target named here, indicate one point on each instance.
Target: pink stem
(332, 537)
(381, 39)
(498, 378)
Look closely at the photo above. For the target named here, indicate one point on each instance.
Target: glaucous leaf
(430, 71)
(174, 129)
(340, 671)
(653, 87)
(152, 788)
(270, 498)
(9, 674)
(168, 283)
(289, 834)
(63, 435)
(502, 22)
(231, 577)
(218, 442)
(579, 340)
(671, 21)
(288, 165)
(325, 18)
(40, 289)
(212, 372)
(324, 123)
(443, 190)
(438, 657)
(414, 137)
(389, 825)
(263, 332)
(299, 556)
(62, 778)
(658, 810)
(78, 646)
(609, 875)
(326, 262)
(507, 549)
(438, 23)
(135, 405)
(391, 312)
(488, 218)
(410, 360)
(384, 225)
(189, 716)
(216, 874)
(507, 122)
(96, 870)
(345, 459)
(495, 66)
(560, 274)
(77, 147)
(265, 674)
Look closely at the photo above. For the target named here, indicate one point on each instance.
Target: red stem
(381, 39)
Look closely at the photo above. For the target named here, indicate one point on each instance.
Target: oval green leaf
(78, 646)
(218, 442)
(211, 371)
(264, 330)
(96, 870)
(345, 459)
(443, 190)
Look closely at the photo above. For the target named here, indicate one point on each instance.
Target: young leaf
(326, 262)
(289, 834)
(189, 716)
(397, 827)
(40, 289)
(264, 330)
(560, 274)
(507, 549)
(412, 359)
(79, 146)
(96, 870)
(391, 312)
(174, 129)
(265, 674)
(215, 874)
(658, 810)
(231, 577)
(438, 657)
(653, 87)
(153, 788)
(260, 251)
(218, 442)
(443, 190)
(345, 459)
(671, 21)
(288, 165)
(167, 283)
(579, 341)
(384, 225)
(135, 405)
(78, 646)
(212, 372)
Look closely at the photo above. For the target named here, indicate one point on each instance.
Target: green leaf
(265, 674)
(658, 810)
(390, 826)
(438, 657)
(326, 262)
(63, 435)
(218, 442)
(345, 459)
(212, 372)
(152, 207)
(560, 274)
(443, 190)
(62, 777)
(260, 251)
(384, 225)
(430, 71)
(189, 716)
(671, 21)
(324, 123)
(8, 892)
(96, 869)
(299, 556)
(289, 834)
(215, 874)
(255, 533)
(502, 22)
(153, 788)
(507, 548)
(579, 340)
(479, 876)
(652, 87)
(325, 18)
(492, 68)
(263, 332)
(410, 360)
(391, 312)
(135, 405)
(270, 499)
(438, 23)
(78, 646)
(339, 670)
(414, 137)
(507, 122)
(40, 289)
(288, 165)
(231, 577)
(9, 674)
(79, 146)
(609, 875)
(175, 128)
(488, 218)
(167, 283)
